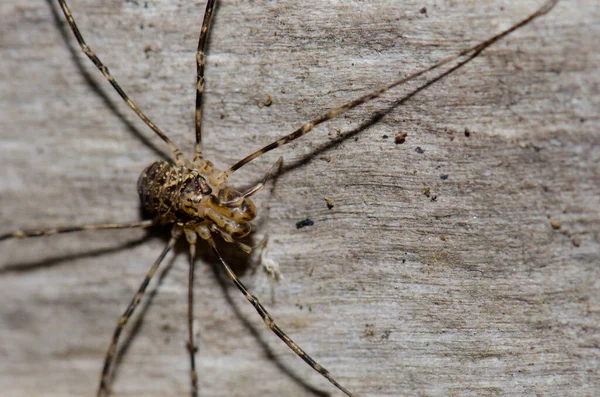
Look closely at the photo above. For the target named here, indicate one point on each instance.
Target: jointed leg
(271, 323)
(258, 187)
(112, 349)
(227, 238)
(307, 127)
(94, 58)
(200, 62)
(191, 237)
(70, 229)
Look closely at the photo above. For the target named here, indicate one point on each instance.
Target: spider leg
(112, 349)
(192, 348)
(473, 52)
(258, 187)
(70, 229)
(271, 323)
(227, 238)
(200, 62)
(179, 158)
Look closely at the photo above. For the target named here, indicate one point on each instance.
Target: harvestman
(192, 196)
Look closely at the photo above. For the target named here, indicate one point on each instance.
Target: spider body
(194, 197)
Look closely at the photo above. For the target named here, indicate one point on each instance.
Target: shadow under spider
(374, 119)
(56, 261)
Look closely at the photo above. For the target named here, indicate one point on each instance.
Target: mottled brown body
(193, 197)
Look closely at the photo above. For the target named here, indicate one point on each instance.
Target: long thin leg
(112, 348)
(271, 323)
(191, 237)
(70, 229)
(200, 62)
(307, 127)
(94, 58)
(257, 188)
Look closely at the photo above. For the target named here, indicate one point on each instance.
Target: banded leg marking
(200, 62)
(179, 158)
(69, 229)
(112, 348)
(192, 348)
(308, 126)
(273, 327)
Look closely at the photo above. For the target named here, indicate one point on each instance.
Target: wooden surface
(502, 304)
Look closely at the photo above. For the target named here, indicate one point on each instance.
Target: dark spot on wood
(306, 222)
(444, 177)
(419, 150)
(385, 335)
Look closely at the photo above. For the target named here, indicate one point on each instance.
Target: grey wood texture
(469, 269)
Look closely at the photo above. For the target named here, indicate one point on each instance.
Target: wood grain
(491, 288)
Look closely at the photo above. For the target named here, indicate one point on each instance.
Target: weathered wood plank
(503, 304)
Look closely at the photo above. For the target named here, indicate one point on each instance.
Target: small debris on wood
(555, 224)
(444, 177)
(467, 132)
(306, 222)
(267, 102)
(385, 335)
(442, 237)
(338, 132)
(576, 242)
(424, 11)
(400, 137)
(329, 202)
(419, 150)
(385, 136)
(325, 158)
(427, 192)
(369, 330)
